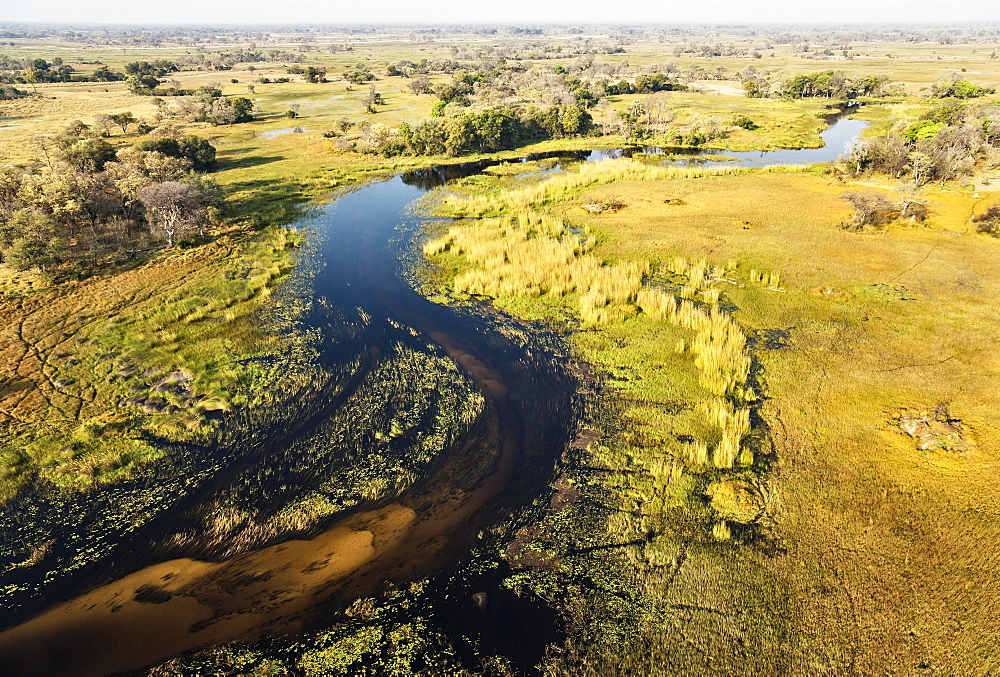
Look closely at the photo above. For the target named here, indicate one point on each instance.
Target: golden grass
(533, 254)
(909, 320)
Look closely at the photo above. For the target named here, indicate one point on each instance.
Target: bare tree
(172, 208)
(658, 110)
(870, 209)
(102, 125)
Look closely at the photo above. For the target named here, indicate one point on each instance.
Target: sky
(499, 11)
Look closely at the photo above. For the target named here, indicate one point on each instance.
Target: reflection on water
(836, 140)
(175, 606)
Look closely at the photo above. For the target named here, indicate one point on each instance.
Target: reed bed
(530, 254)
(533, 254)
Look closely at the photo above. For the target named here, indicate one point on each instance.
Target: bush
(870, 209)
(989, 221)
(199, 151)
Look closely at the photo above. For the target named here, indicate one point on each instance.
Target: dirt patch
(935, 430)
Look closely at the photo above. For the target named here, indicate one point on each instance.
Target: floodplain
(666, 414)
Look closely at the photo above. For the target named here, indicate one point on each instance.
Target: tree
(94, 196)
(89, 155)
(314, 74)
(459, 135)
(421, 85)
(123, 120)
(142, 84)
(135, 169)
(102, 123)
(172, 208)
(922, 167)
(230, 111)
(374, 99)
(29, 238)
(105, 74)
(575, 120)
(959, 88)
(197, 150)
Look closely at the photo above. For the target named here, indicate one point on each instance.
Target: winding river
(167, 608)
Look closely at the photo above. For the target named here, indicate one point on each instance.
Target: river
(169, 607)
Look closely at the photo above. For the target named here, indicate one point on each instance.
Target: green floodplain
(662, 413)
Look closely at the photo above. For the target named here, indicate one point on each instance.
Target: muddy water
(184, 604)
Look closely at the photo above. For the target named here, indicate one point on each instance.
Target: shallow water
(272, 133)
(182, 604)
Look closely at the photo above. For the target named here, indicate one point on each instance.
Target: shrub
(870, 209)
(989, 221)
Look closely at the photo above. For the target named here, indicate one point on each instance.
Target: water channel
(106, 625)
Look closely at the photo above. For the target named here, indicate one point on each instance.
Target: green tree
(89, 155)
(199, 151)
(575, 120)
(459, 135)
(123, 120)
(29, 238)
(314, 74)
(230, 111)
(194, 148)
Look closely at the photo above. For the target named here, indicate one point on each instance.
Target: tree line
(481, 131)
(945, 143)
(826, 84)
(86, 200)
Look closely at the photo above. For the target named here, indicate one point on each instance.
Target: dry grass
(894, 537)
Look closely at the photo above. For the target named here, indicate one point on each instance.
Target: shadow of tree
(224, 163)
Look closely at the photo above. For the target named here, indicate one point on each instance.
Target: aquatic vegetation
(532, 254)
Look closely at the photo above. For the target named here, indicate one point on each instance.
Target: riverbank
(632, 514)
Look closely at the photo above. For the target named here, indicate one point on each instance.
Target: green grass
(184, 319)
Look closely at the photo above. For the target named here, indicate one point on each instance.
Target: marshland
(562, 350)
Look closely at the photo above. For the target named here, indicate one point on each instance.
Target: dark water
(364, 237)
(173, 606)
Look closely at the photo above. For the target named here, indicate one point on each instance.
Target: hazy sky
(430, 11)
